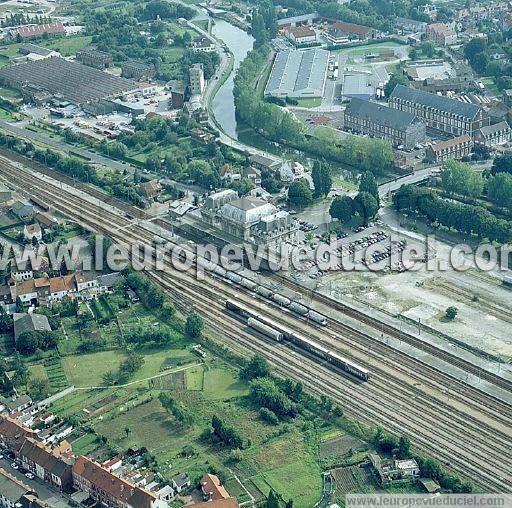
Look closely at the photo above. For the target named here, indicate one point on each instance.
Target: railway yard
(453, 408)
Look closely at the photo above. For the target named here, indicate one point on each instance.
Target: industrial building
(94, 58)
(496, 134)
(379, 121)
(137, 70)
(56, 78)
(197, 81)
(357, 86)
(440, 113)
(298, 74)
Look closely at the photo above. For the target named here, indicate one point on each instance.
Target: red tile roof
(37, 30)
(112, 484)
(351, 28)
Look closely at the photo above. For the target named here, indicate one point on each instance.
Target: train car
(348, 366)
(281, 300)
(240, 309)
(249, 284)
(265, 292)
(265, 329)
(234, 277)
(317, 317)
(41, 204)
(298, 308)
(219, 271)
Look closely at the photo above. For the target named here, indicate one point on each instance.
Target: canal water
(223, 105)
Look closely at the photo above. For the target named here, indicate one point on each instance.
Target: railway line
(375, 323)
(378, 401)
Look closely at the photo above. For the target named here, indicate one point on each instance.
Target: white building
(301, 35)
(197, 81)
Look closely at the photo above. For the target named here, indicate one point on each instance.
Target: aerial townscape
(255, 253)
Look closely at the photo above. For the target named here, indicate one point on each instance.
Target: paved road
(54, 498)
(417, 176)
(65, 147)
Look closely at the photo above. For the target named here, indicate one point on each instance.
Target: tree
(451, 313)
(342, 208)
(194, 325)
(322, 178)
(502, 164)
(272, 500)
(404, 447)
(428, 49)
(395, 79)
(499, 189)
(127, 431)
(257, 366)
(38, 388)
(459, 177)
(366, 206)
(299, 193)
(368, 184)
(27, 342)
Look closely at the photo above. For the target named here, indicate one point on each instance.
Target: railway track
(375, 406)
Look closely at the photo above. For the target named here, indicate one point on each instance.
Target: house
(492, 135)
(31, 231)
(22, 210)
(264, 163)
(291, 171)
(376, 120)
(301, 35)
(406, 25)
(407, 468)
(106, 283)
(441, 34)
(150, 189)
(32, 49)
(13, 434)
(109, 489)
(62, 286)
(5, 193)
(229, 174)
(46, 464)
(202, 135)
(212, 488)
(132, 295)
(166, 493)
(341, 31)
(202, 45)
(34, 31)
(253, 174)
(455, 148)
(30, 323)
(31, 501)
(15, 404)
(180, 482)
(85, 280)
(112, 464)
(11, 490)
(430, 486)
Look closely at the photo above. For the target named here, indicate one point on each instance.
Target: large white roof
(247, 210)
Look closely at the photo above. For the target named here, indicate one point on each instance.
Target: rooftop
(380, 114)
(247, 210)
(298, 73)
(11, 488)
(71, 81)
(29, 323)
(442, 145)
(488, 130)
(432, 100)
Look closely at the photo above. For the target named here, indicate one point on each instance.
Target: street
(54, 498)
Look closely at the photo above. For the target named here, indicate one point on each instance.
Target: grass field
(88, 370)
(68, 46)
(309, 103)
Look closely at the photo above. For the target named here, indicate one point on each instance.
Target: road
(418, 176)
(65, 147)
(54, 498)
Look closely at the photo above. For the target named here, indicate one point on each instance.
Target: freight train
(278, 332)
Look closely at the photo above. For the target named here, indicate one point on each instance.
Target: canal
(223, 104)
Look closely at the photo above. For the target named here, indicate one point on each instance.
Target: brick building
(439, 112)
(455, 148)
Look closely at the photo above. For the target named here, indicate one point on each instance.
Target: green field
(309, 103)
(88, 370)
(68, 46)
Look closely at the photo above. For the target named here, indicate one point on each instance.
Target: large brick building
(380, 121)
(440, 113)
(455, 148)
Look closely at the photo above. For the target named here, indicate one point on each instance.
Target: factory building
(440, 113)
(132, 69)
(298, 74)
(55, 78)
(455, 148)
(379, 121)
(94, 58)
